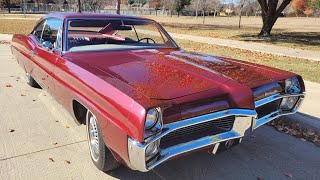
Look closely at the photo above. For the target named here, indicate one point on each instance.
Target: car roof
(64, 15)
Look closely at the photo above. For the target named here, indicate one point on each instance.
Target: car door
(47, 52)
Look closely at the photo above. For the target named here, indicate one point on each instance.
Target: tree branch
(284, 4)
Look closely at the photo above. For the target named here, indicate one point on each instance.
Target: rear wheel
(31, 81)
(100, 153)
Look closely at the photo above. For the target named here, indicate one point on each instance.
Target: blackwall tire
(31, 82)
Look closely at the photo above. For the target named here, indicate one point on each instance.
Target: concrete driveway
(39, 123)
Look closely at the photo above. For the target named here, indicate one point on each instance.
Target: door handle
(33, 51)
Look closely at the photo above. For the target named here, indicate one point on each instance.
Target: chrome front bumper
(245, 121)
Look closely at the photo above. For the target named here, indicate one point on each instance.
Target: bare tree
(79, 6)
(271, 10)
(155, 4)
(241, 5)
(118, 6)
(168, 5)
(94, 5)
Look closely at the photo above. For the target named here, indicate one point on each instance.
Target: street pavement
(43, 130)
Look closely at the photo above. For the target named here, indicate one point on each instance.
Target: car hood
(169, 74)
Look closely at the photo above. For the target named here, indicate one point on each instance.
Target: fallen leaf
(33, 100)
(8, 85)
(54, 143)
(279, 128)
(310, 132)
(23, 95)
(51, 159)
(67, 126)
(11, 130)
(57, 121)
(67, 162)
(288, 174)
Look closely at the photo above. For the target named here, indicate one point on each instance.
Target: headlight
(153, 122)
(152, 149)
(152, 118)
(288, 103)
(292, 86)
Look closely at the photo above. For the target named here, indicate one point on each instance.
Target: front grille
(268, 108)
(197, 131)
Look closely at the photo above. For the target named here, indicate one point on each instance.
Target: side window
(51, 32)
(37, 32)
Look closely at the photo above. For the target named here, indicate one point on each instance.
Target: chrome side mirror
(48, 45)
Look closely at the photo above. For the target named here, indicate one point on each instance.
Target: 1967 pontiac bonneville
(142, 98)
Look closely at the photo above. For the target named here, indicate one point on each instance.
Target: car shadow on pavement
(265, 154)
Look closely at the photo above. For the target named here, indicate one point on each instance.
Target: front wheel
(100, 153)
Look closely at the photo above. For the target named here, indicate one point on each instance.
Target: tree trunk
(203, 13)
(9, 6)
(240, 12)
(270, 14)
(79, 6)
(118, 6)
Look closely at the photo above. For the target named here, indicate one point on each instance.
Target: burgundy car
(143, 99)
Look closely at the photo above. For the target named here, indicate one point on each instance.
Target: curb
(305, 120)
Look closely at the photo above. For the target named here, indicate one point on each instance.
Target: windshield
(115, 34)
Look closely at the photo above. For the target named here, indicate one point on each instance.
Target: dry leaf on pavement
(51, 159)
(8, 85)
(11, 130)
(67, 162)
(288, 174)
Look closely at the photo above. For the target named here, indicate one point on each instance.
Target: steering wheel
(147, 40)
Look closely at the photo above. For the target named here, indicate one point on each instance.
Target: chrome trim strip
(267, 118)
(270, 117)
(243, 122)
(275, 97)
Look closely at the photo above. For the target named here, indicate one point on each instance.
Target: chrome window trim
(114, 18)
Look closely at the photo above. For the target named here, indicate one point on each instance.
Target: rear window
(111, 34)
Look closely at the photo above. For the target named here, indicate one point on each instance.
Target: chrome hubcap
(93, 137)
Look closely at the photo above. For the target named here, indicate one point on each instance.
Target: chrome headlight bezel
(292, 86)
(154, 124)
(288, 103)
